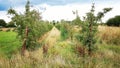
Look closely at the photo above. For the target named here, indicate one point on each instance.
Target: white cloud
(65, 11)
(3, 15)
(58, 12)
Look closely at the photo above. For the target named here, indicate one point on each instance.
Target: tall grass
(63, 55)
(110, 35)
(104, 57)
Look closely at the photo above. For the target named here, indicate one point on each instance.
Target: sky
(60, 9)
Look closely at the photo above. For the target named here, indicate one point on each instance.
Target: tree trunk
(25, 41)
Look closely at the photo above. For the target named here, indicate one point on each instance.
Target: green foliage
(58, 26)
(64, 32)
(2, 23)
(102, 14)
(76, 21)
(114, 21)
(89, 28)
(66, 29)
(32, 20)
(62, 54)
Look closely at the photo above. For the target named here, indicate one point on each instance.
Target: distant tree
(11, 24)
(77, 20)
(2, 23)
(114, 21)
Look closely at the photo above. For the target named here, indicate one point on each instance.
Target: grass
(9, 43)
(62, 54)
(110, 35)
(66, 58)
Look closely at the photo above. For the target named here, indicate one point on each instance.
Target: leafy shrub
(66, 30)
(58, 26)
(64, 33)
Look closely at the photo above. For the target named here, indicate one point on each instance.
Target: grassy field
(9, 43)
(62, 53)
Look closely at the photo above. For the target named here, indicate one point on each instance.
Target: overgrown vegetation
(69, 44)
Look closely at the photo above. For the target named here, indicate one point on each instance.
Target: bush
(65, 29)
(58, 26)
(64, 33)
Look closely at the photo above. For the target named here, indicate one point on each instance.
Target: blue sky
(60, 9)
(5, 4)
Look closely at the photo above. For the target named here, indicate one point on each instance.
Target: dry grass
(110, 35)
(5, 29)
(105, 56)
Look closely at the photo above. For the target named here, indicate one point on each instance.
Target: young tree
(89, 28)
(27, 26)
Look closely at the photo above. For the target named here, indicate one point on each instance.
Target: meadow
(80, 43)
(61, 53)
